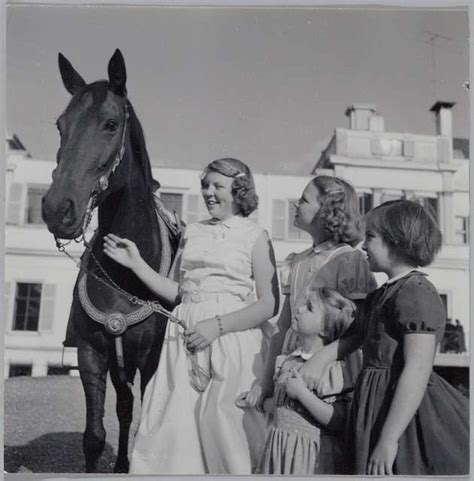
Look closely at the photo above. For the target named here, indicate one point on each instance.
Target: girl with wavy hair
(225, 288)
(328, 210)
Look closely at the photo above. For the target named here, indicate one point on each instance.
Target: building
(381, 165)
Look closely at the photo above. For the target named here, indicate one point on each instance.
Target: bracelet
(219, 325)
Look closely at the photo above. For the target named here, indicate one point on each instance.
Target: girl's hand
(295, 385)
(312, 372)
(199, 336)
(122, 251)
(382, 458)
(241, 400)
(269, 405)
(252, 397)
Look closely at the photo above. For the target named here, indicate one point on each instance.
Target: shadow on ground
(59, 452)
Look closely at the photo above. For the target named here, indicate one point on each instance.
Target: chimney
(443, 118)
(359, 116)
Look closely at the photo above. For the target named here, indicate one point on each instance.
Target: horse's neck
(129, 213)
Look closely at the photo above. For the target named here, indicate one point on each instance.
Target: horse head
(94, 134)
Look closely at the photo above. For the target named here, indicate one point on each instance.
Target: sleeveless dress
(181, 430)
(296, 443)
(436, 441)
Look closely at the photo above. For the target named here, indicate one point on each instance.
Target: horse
(102, 161)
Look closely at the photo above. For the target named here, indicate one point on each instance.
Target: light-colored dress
(340, 267)
(296, 443)
(181, 430)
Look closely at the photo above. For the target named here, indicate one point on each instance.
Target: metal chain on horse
(154, 305)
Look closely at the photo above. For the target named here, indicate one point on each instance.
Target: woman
(226, 288)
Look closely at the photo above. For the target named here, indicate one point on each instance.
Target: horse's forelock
(96, 90)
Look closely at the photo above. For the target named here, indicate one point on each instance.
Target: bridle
(103, 185)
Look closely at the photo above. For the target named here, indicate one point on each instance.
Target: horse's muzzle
(61, 217)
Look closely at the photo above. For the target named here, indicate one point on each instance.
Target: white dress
(182, 431)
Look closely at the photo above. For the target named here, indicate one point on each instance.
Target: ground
(44, 419)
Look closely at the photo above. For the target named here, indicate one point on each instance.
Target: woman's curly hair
(243, 185)
(339, 213)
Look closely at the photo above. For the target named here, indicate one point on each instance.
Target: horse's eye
(111, 125)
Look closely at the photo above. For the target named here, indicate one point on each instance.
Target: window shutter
(15, 211)
(7, 303)
(47, 308)
(192, 210)
(279, 219)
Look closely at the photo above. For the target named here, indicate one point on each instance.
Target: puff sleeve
(418, 308)
(354, 278)
(285, 273)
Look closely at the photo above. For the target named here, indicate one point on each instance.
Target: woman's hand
(199, 336)
(295, 385)
(312, 372)
(382, 458)
(122, 251)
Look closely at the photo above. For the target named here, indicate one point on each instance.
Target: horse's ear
(117, 74)
(71, 79)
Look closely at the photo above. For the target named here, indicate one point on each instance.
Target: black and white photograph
(236, 239)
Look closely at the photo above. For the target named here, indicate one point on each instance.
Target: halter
(104, 180)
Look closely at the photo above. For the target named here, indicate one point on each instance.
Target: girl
(405, 419)
(304, 436)
(329, 211)
(222, 262)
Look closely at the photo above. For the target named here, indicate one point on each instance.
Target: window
(429, 203)
(16, 370)
(27, 307)
(444, 298)
(54, 370)
(283, 219)
(195, 209)
(388, 196)
(173, 202)
(33, 204)
(366, 202)
(461, 224)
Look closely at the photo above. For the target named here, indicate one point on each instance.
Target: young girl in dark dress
(405, 419)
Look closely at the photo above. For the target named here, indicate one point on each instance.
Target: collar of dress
(230, 222)
(402, 275)
(306, 356)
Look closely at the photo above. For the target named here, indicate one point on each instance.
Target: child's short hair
(408, 229)
(337, 311)
(243, 185)
(339, 212)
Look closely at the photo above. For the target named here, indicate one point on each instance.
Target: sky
(266, 85)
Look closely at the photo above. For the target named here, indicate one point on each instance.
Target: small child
(305, 436)
(405, 419)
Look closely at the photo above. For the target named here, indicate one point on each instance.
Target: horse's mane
(137, 141)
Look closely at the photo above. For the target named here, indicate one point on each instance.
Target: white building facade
(381, 165)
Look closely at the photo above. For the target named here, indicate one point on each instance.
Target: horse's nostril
(68, 213)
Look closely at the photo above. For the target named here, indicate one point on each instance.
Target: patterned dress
(181, 430)
(296, 443)
(436, 441)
